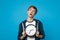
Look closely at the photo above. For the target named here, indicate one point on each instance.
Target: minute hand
(30, 30)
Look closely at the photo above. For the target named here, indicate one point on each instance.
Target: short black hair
(32, 6)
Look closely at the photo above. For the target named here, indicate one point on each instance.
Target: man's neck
(30, 19)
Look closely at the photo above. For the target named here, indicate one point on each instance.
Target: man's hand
(23, 35)
(37, 34)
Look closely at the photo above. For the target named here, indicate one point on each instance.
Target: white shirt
(27, 23)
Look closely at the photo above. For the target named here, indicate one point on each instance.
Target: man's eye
(33, 12)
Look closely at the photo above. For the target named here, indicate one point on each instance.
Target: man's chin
(31, 16)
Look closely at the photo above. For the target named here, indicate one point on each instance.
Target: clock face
(30, 30)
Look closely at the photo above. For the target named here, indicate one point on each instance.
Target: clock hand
(30, 30)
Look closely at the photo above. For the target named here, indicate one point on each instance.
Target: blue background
(12, 12)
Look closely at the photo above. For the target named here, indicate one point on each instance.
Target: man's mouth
(30, 14)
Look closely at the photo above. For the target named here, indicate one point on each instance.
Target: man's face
(31, 12)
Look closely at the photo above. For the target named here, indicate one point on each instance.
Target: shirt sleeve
(20, 31)
(41, 30)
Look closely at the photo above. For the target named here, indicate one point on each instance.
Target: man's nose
(31, 12)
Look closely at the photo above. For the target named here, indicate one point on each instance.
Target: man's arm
(41, 30)
(20, 31)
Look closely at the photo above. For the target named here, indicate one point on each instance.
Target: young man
(32, 10)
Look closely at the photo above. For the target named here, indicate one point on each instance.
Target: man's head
(32, 10)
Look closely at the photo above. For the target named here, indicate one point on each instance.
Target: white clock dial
(30, 30)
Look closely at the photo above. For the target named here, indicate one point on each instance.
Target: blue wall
(12, 12)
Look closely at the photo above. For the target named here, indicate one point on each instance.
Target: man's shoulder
(23, 21)
(38, 21)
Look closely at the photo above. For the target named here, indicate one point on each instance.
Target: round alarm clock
(30, 30)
